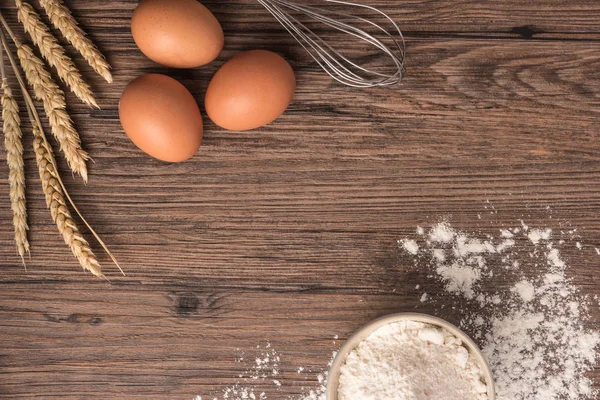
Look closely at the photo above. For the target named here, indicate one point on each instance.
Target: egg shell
(161, 117)
(250, 90)
(177, 33)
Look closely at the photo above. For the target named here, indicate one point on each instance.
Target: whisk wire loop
(337, 65)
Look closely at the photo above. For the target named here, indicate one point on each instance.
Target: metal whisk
(333, 61)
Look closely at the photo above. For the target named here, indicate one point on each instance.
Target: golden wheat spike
(11, 127)
(55, 200)
(53, 52)
(62, 19)
(53, 99)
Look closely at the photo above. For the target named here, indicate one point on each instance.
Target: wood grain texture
(287, 234)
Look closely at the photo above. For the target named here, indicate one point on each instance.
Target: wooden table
(287, 234)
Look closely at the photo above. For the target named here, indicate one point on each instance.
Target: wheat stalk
(14, 158)
(53, 186)
(62, 19)
(55, 200)
(53, 52)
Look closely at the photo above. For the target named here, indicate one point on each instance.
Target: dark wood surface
(287, 234)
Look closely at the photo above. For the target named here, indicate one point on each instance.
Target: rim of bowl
(363, 332)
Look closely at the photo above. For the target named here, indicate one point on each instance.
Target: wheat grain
(16, 175)
(53, 52)
(62, 19)
(53, 99)
(55, 200)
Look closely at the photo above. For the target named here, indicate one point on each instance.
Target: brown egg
(250, 90)
(177, 33)
(161, 117)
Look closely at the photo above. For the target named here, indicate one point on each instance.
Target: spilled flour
(263, 370)
(531, 328)
(510, 291)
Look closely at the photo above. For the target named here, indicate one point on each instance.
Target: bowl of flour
(410, 356)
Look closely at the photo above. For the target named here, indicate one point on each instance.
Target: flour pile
(532, 329)
(411, 360)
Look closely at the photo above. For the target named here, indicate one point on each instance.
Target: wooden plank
(514, 18)
(287, 234)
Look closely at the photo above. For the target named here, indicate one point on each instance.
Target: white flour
(525, 290)
(411, 361)
(532, 329)
(263, 370)
(535, 235)
(411, 246)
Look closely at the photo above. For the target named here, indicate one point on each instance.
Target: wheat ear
(53, 99)
(53, 186)
(14, 158)
(55, 200)
(62, 19)
(53, 52)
